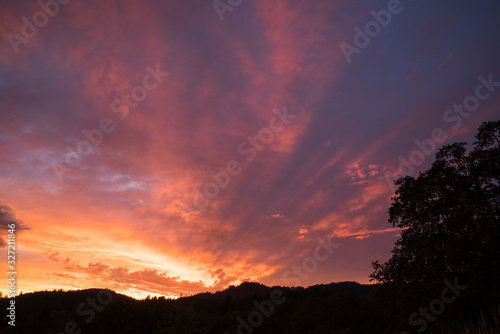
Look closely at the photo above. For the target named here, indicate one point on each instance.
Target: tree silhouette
(450, 216)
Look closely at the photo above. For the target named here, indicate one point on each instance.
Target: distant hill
(247, 289)
(104, 311)
(335, 308)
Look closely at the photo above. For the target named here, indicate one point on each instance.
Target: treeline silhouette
(346, 307)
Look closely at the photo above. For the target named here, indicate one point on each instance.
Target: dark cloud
(8, 217)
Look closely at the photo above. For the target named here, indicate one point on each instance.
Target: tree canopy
(450, 218)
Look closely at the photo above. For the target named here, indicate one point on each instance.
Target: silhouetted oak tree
(450, 216)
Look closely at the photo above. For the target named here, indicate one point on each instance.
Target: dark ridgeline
(317, 309)
(444, 273)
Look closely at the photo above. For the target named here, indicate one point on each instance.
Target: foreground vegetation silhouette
(450, 216)
(443, 276)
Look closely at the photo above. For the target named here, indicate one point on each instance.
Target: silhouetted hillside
(337, 306)
(346, 307)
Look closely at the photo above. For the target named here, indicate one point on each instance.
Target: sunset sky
(312, 134)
